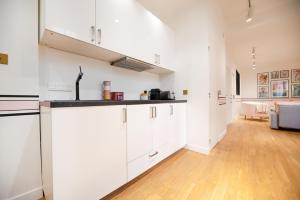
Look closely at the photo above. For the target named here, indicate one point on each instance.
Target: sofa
(285, 116)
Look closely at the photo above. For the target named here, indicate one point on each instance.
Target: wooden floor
(251, 162)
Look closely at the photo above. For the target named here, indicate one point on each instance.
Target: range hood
(132, 64)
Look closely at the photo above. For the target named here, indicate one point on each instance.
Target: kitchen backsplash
(58, 71)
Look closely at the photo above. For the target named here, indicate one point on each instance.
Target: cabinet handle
(151, 111)
(93, 33)
(124, 115)
(155, 112)
(171, 110)
(152, 155)
(100, 35)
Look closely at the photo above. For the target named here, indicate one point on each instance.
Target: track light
(253, 52)
(250, 13)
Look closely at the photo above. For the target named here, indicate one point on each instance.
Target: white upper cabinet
(114, 22)
(118, 27)
(73, 18)
(125, 26)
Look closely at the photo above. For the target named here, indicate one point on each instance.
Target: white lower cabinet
(84, 151)
(154, 132)
(88, 152)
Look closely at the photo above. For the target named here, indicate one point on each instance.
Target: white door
(139, 135)
(89, 151)
(74, 18)
(229, 81)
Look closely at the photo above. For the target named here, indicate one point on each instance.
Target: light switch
(185, 92)
(3, 59)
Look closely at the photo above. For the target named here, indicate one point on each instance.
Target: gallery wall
(249, 85)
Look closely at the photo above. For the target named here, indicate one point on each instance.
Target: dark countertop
(86, 103)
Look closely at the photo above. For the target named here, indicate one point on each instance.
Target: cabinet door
(89, 151)
(19, 156)
(179, 125)
(74, 18)
(160, 125)
(139, 135)
(115, 20)
(126, 27)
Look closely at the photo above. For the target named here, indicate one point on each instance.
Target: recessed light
(117, 21)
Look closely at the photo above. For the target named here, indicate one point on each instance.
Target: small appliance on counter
(157, 94)
(117, 96)
(167, 95)
(144, 96)
(154, 94)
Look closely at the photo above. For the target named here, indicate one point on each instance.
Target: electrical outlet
(185, 92)
(3, 59)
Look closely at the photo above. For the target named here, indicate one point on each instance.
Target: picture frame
(284, 73)
(263, 92)
(295, 90)
(279, 88)
(295, 76)
(275, 75)
(263, 78)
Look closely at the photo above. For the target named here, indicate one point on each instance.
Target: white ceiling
(167, 10)
(274, 31)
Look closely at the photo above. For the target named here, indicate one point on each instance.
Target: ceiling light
(250, 13)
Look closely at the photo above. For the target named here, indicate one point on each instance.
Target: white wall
(249, 78)
(200, 71)
(59, 70)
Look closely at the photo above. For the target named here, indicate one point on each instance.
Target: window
(237, 83)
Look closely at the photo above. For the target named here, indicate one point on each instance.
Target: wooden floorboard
(252, 162)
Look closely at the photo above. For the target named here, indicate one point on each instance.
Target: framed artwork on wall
(263, 78)
(284, 73)
(280, 88)
(296, 90)
(263, 92)
(295, 75)
(275, 75)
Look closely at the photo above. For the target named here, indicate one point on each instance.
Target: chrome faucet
(79, 77)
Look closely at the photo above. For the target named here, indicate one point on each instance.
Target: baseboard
(221, 136)
(197, 149)
(34, 194)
